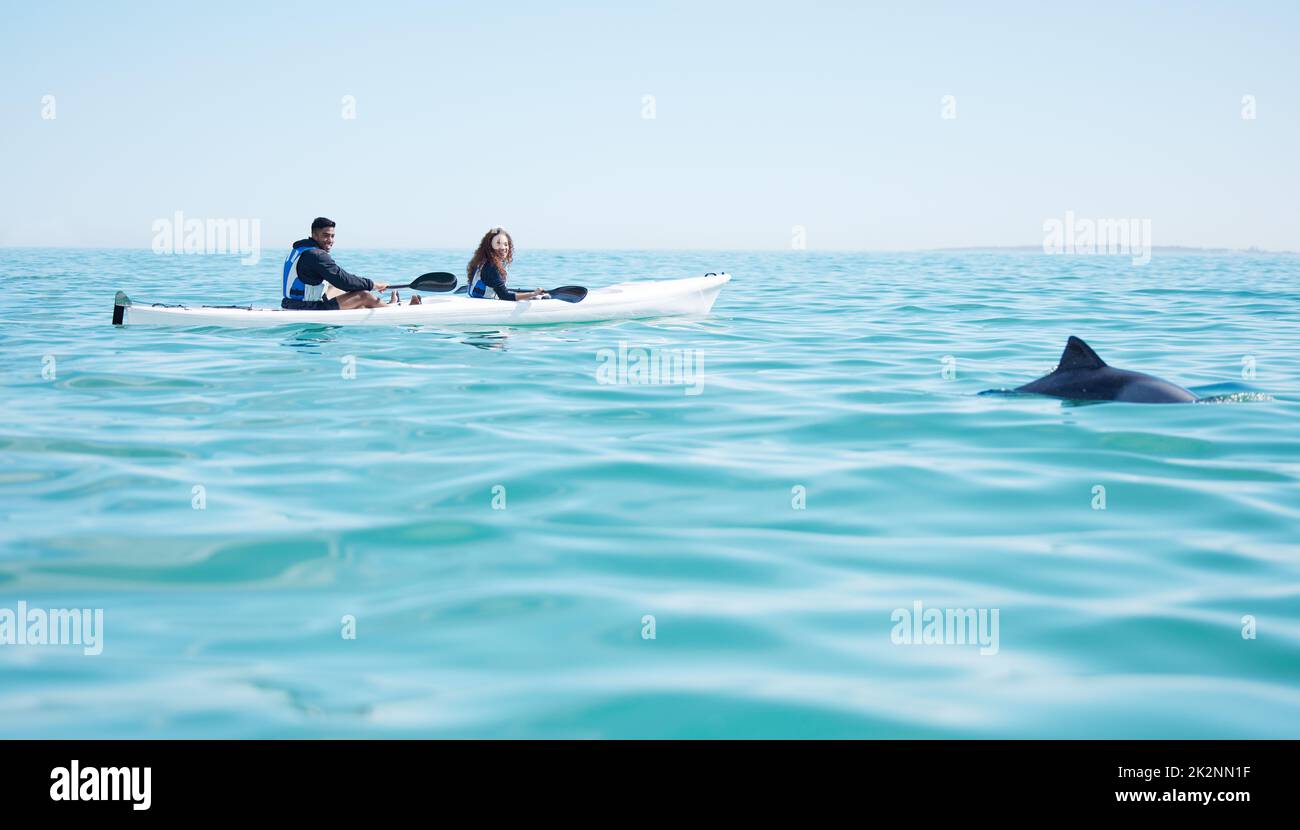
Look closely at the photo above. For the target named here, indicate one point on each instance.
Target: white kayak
(625, 301)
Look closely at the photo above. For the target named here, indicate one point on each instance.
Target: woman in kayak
(487, 270)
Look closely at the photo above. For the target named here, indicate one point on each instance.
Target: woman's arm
(492, 277)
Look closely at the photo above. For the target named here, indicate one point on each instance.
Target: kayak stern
(120, 304)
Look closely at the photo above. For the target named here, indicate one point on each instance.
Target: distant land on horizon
(1154, 249)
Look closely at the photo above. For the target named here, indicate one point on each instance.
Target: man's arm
(321, 265)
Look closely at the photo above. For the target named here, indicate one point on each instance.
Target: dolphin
(1083, 376)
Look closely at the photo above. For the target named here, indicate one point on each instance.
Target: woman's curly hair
(485, 254)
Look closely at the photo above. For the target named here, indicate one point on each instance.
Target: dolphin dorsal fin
(1079, 355)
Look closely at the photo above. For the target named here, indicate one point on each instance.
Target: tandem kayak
(625, 301)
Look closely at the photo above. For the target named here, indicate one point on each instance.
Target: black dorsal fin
(1079, 355)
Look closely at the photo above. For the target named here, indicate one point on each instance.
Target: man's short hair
(321, 222)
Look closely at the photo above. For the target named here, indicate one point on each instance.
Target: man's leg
(360, 299)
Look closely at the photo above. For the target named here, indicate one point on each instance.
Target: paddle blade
(435, 282)
(568, 293)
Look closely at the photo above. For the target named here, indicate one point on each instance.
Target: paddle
(565, 293)
(568, 293)
(434, 281)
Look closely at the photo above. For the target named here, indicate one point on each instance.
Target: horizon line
(945, 249)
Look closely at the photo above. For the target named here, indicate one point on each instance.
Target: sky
(827, 117)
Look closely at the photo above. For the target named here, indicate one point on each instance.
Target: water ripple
(525, 552)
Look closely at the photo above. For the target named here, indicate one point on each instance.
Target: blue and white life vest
(294, 288)
(479, 288)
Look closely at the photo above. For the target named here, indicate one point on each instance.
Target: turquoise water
(373, 496)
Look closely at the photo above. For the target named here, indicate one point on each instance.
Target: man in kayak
(310, 267)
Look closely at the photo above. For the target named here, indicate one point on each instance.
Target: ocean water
(306, 532)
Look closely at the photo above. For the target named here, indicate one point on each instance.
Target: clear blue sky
(767, 116)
